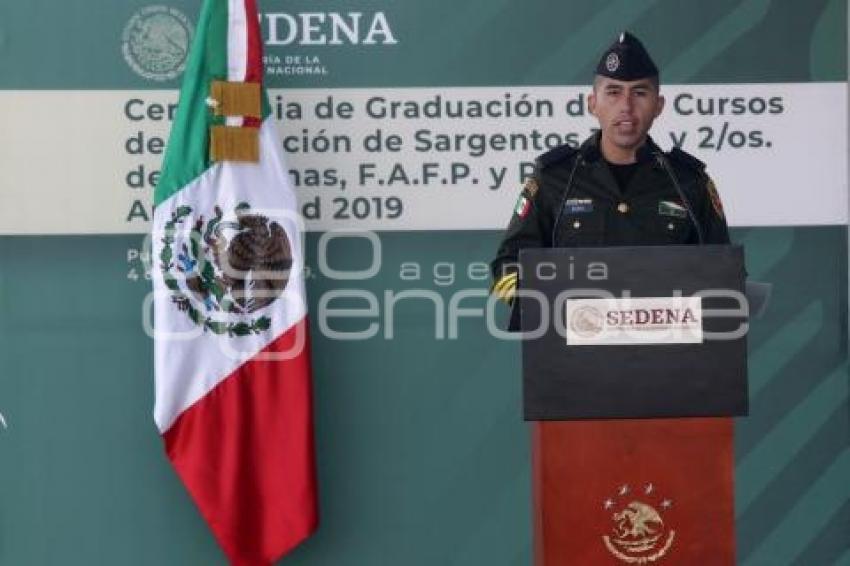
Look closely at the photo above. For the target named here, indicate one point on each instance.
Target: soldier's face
(625, 110)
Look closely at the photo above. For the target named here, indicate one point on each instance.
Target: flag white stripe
(237, 41)
(237, 48)
(186, 370)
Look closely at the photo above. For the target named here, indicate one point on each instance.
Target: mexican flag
(233, 394)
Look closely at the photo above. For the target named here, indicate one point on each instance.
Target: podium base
(651, 491)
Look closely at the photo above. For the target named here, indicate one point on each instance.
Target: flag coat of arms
(233, 393)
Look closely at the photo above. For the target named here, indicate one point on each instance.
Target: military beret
(626, 60)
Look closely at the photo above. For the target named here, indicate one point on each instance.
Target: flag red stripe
(254, 68)
(245, 452)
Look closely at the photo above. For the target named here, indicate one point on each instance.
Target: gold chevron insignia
(505, 288)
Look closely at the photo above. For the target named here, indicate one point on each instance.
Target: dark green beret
(626, 60)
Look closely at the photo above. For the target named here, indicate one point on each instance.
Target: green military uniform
(574, 200)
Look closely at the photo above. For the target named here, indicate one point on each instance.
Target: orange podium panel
(634, 491)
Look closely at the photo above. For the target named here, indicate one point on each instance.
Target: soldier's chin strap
(662, 161)
(566, 194)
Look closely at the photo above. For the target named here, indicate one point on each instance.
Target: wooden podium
(632, 450)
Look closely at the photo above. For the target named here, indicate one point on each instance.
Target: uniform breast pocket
(581, 229)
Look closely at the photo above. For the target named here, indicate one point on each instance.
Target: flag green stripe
(187, 153)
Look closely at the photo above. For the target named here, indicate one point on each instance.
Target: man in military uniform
(618, 188)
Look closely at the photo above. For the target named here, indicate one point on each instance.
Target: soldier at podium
(618, 187)
(620, 489)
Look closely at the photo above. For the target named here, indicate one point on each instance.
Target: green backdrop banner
(382, 43)
(423, 456)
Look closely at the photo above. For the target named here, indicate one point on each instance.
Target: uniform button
(623, 207)
(576, 224)
(671, 226)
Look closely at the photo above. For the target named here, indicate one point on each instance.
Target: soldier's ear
(591, 102)
(659, 105)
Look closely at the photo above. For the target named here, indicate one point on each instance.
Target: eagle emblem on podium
(639, 534)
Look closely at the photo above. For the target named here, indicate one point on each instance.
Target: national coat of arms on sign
(222, 270)
(155, 42)
(587, 322)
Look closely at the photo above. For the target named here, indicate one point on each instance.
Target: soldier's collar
(590, 148)
(591, 152)
(648, 150)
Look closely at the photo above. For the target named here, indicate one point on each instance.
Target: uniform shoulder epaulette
(686, 159)
(556, 155)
